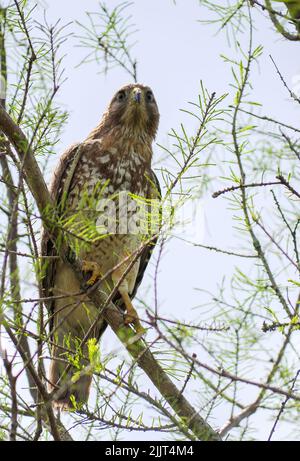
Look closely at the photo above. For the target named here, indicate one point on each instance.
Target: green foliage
(239, 355)
(108, 38)
(94, 355)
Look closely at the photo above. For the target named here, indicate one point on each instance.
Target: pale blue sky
(174, 52)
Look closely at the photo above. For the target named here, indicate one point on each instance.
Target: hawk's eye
(149, 96)
(121, 96)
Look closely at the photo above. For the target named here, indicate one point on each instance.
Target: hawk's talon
(132, 319)
(90, 266)
(140, 331)
(129, 318)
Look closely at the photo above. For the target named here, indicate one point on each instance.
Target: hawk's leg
(131, 316)
(90, 266)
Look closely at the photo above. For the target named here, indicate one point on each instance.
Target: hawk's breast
(106, 195)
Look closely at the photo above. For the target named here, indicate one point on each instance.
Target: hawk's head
(134, 107)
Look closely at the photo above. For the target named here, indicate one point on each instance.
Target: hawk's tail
(68, 389)
(70, 373)
(70, 385)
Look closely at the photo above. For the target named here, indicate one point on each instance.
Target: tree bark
(136, 348)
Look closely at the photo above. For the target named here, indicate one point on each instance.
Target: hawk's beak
(137, 96)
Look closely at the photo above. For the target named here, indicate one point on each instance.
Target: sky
(175, 52)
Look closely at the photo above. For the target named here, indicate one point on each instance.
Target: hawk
(115, 159)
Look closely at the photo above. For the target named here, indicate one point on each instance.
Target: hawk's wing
(47, 248)
(147, 252)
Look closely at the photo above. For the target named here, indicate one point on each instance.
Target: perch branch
(137, 349)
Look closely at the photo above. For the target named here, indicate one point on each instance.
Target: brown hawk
(114, 159)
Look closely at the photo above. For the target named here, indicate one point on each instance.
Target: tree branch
(137, 348)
